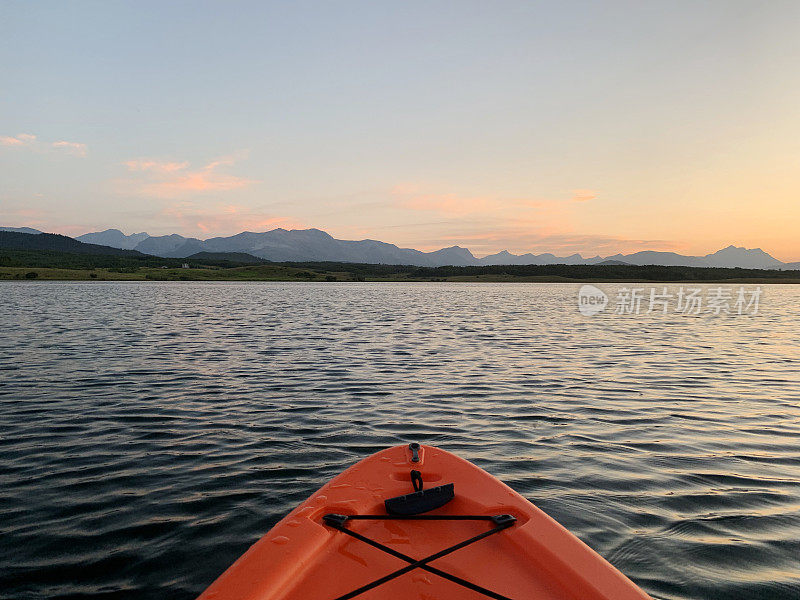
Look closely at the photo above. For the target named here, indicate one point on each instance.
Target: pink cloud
(18, 140)
(156, 166)
(23, 216)
(488, 224)
(450, 204)
(220, 162)
(160, 179)
(31, 141)
(224, 219)
(201, 181)
(523, 238)
(76, 148)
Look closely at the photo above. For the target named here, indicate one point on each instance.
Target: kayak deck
(533, 557)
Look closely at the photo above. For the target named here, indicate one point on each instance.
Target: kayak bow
(419, 522)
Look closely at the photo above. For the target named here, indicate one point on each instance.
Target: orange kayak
(417, 522)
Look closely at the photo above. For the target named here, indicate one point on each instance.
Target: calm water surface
(149, 432)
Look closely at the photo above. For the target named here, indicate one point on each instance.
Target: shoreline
(292, 274)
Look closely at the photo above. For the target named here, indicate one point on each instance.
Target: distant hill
(729, 257)
(174, 246)
(21, 230)
(506, 258)
(314, 245)
(114, 238)
(612, 262)
(651, 257)
(128, 261)
(732, 256)
(13, 240)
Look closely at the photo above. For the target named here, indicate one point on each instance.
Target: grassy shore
(247, 273)
(277, 272)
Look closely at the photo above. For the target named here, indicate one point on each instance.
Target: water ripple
(151, 432)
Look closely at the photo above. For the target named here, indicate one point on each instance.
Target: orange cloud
(583, 195)
(161, 179)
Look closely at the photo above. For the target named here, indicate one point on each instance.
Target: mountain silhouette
(287, 245)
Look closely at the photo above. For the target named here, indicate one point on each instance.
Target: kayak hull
(303, 557)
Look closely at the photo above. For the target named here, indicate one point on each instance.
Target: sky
(562, 126)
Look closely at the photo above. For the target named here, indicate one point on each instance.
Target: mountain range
(297, 245)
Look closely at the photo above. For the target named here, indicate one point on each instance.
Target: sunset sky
(591, 127)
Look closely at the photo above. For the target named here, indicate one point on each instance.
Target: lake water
(150, 432)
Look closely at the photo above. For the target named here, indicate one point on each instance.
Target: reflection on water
(150, 432)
